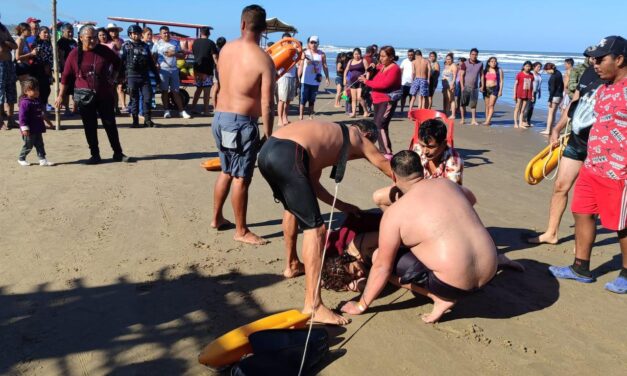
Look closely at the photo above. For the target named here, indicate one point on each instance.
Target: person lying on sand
(292, 161)
(455, 255)
(437, 158)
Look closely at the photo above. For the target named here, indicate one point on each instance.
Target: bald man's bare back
(435, 219)
(323, 142)
(243, 66)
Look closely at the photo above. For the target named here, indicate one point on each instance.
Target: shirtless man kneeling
(446, 235)
(292, 161)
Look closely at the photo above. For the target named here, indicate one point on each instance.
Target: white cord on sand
(317, 291)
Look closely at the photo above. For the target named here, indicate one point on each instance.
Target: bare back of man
(292, 161)
(446, 235)
(421, 67)
(240, 80)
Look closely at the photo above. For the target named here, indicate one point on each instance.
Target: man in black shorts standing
(292, 161)
(205, 60)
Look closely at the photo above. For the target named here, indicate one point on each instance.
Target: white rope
(558, 149)
(317, 290)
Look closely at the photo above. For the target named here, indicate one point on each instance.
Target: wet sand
(113, 269)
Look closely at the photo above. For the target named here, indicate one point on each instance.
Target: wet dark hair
(368, 128)
(474, 50)
(204, 31)
(569, 61)
(548, 66)
(406, 163)
(418, 52)
(389, 50)
(220, 42)
(525, 63)
(21, 27)
(255, 18)
(29, 83)
(334, 274)
(432, 129)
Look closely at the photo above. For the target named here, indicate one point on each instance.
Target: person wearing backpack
(138, 62)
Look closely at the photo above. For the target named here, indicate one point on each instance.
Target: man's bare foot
(474, 123)
(516, 125)
(294, 270)
(440, 306)
(250, 238)
(506, 262)
(323, 315)
(543, 239)
(525, 125)
(222, 225)
(300, 117)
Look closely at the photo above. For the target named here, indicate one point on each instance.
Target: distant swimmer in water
(292, 161)
(455, 255)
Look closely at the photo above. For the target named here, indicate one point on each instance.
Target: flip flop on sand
(567, 272)
(618, 286)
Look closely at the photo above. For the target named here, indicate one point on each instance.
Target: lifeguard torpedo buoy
(285, 54)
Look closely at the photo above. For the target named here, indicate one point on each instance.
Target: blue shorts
(237, 138)
(8, 92)
(420, 86)
(308, 94)
(169, 80)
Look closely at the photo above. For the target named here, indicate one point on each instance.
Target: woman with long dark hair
(386, 91)
(103, 36)
(92, 68)
(556, 92)
(523, 93)
(24, 54)
(355, 69)
(42, 67)
(449, 76)
(493, 89)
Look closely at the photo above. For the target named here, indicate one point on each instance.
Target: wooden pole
(55, 56)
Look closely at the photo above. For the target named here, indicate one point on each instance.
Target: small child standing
(32, 123)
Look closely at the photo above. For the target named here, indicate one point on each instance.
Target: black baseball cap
(614, 44)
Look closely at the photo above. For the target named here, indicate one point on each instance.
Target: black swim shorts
(411, 270)
(576, 148)
(285, 166)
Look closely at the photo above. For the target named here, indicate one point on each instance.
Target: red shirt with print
(524, 85)
(607, 144)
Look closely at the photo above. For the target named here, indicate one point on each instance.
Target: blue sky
(549, 25)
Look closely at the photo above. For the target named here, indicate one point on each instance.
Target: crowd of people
(445, 252)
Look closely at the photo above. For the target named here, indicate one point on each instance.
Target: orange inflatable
(232, 346)
(544, 162)
(285, 54)
(212, 164)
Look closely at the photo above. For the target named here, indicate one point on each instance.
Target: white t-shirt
(313, 67)
(406, 68)
(160, 47)
(292, 72)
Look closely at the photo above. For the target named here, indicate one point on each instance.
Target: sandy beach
(113, 269)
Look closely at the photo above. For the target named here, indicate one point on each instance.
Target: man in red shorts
(601, 189)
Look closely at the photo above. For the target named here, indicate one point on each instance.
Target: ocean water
(510, 61)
